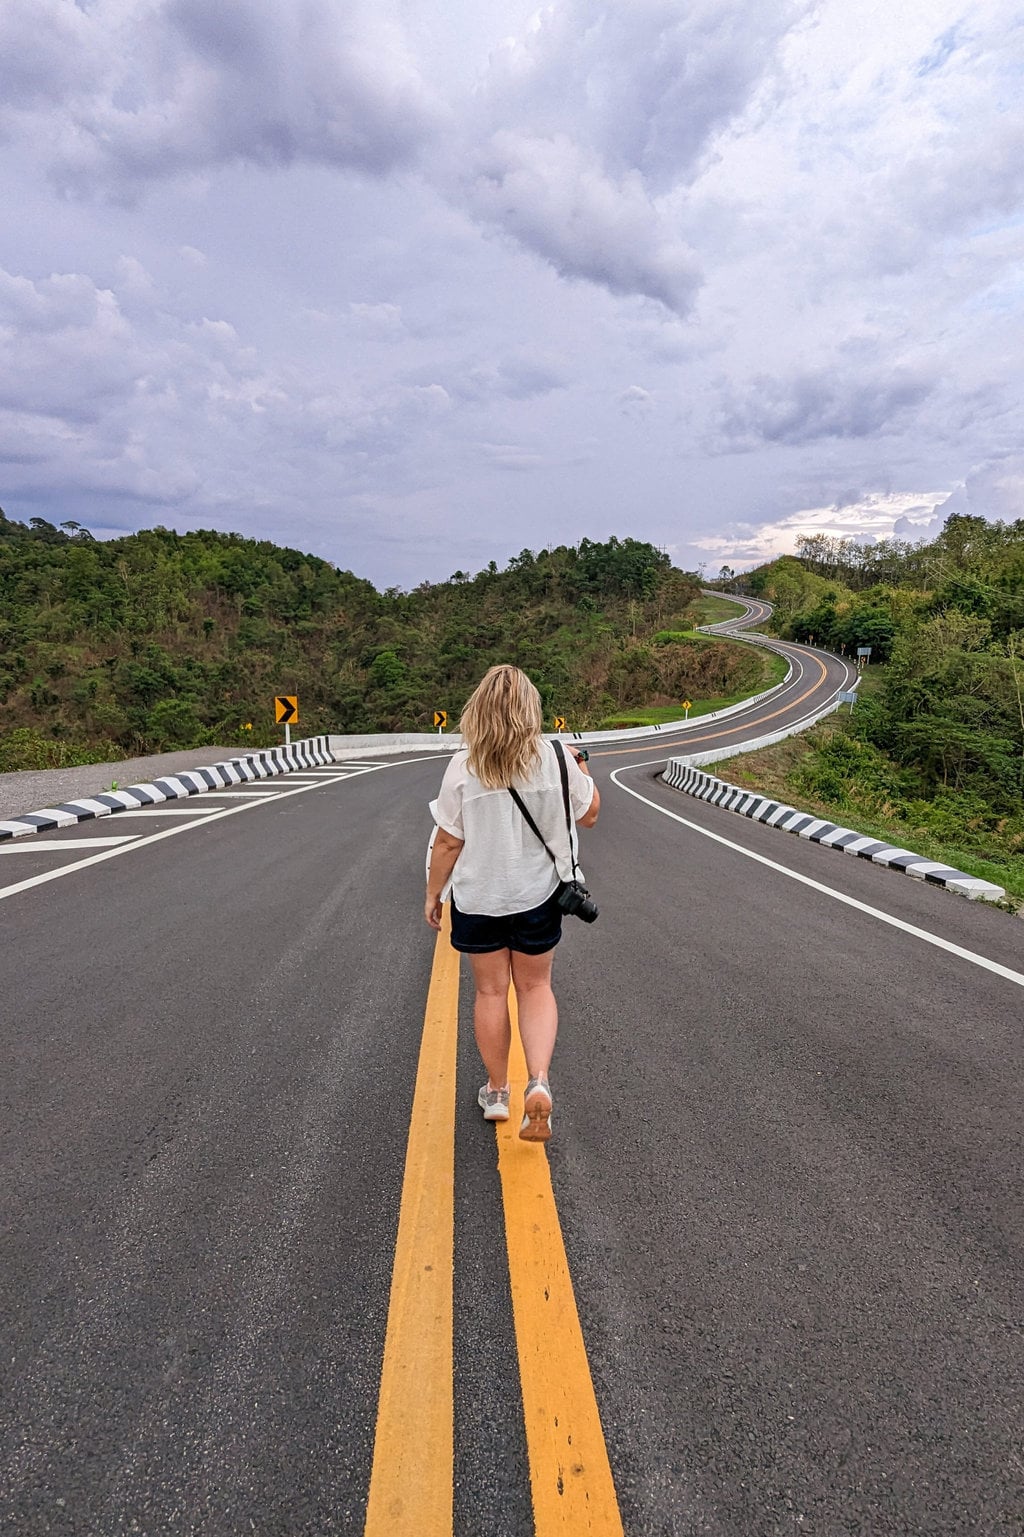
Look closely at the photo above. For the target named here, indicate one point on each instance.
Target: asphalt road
(787, 1165)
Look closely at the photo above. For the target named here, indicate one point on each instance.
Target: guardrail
(683, 774)
(717, 754)
(389, 744)
(310, 752)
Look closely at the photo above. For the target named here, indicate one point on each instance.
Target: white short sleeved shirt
(503, 867)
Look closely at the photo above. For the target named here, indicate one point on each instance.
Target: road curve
(786, 1165)
(814, 682)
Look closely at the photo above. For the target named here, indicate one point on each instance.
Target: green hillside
(160, 640)
(934, 750)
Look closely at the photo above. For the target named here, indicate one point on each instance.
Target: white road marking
(51, 845)
(258, 791)
(839, 896)
(183, 827)
(167, 811)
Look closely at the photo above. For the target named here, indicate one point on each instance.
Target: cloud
(44, 45)
(636, 402)
(553, 198)
(907, 515)
(377, 319)
(519, 375)
(967, 161)
(598, 110)
(818, 404)
(509, 456)
(577, 128)
(138, 402)
(645, 85)
(995, 488)
(943, 49)
(180, 86)
(66, 348)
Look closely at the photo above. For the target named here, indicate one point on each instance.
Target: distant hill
(161, 640)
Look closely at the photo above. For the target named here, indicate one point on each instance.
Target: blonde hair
(501, 725)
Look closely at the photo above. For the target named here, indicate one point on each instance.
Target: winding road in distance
(766, 1280)
(815, 679)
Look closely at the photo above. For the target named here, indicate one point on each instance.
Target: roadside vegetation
(159, 641)
(932, 756)
(712, 610)
(700, 668)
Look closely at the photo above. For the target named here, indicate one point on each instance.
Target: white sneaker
(536, 1125)
(493, 1103)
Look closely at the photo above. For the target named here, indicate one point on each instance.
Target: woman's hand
(443, 855)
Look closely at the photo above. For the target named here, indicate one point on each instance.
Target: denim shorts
(530, 933)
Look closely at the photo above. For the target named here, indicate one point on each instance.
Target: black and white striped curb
(693, 781)
(312, 752)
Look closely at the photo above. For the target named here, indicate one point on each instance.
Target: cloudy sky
(414, 284)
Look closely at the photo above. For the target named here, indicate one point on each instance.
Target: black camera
(574, 898)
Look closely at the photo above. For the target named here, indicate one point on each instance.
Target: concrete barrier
(685, 774)
(311, 752)
(391, 744)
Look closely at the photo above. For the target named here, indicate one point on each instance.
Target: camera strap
(563, 771)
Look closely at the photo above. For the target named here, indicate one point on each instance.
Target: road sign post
(687, 707)
(559, 722)
(286, 711)
(440, 720)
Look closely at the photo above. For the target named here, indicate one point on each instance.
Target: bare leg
(491, 1023)
(538, 1012)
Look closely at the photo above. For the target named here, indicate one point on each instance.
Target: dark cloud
(186, 86)
(825, 404)
(554, 200)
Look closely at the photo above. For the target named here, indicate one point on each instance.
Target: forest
(936, 741)
(161, 640)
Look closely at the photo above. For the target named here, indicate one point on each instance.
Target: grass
(714, 610)
(773, 670)
(771, 772)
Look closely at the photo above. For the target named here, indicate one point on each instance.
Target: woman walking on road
(505, 884)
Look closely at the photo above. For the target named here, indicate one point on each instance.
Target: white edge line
(186, 827)
(828, 891)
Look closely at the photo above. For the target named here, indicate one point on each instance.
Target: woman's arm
(592, 812)
(443, 855)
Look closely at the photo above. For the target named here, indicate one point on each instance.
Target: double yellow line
(411, 1481)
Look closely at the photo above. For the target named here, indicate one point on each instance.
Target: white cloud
(906, 515)
(643, 85)
(377, 319)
